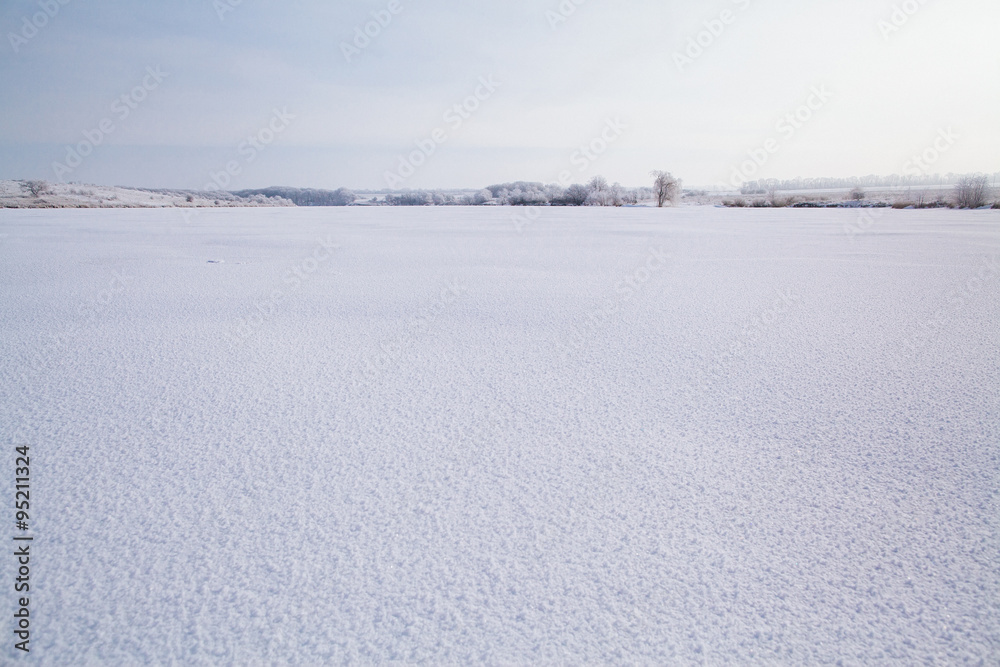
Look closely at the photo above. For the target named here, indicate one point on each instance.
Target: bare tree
(772, 191)
(36, 188)
(972, 191)
(666, 187)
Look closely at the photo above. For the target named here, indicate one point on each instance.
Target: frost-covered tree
(35, 188)
(519, 193)
(598, 184)
(616, 195)
(410, 199)
(553, 191)
(598, 192)
(576, 195)
(343, 197)
(972, 191)
(666, 187)
(527, 197)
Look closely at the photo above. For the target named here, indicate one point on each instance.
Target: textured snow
(457, 442)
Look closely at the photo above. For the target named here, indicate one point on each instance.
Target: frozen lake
(690, 436)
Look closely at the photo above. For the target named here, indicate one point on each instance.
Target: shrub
(410, 199)
(972, 191)
(527, 198)
(575, 195)
(502, 191)
(482, 197)
(857, 194)
(902, 204)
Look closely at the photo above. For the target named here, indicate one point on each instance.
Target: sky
(456, 94)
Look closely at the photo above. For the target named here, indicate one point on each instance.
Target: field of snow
(679, 436)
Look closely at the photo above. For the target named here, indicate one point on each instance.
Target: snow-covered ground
(680, 436)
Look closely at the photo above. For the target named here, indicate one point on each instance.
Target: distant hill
(41, 194)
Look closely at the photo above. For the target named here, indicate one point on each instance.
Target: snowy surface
(449, 441)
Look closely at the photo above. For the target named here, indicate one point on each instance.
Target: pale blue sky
(889, 93)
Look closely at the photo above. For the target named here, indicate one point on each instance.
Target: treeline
(872, 181)
(598, 192)
(306, 196)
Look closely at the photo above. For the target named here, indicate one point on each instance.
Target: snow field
(686, 436)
